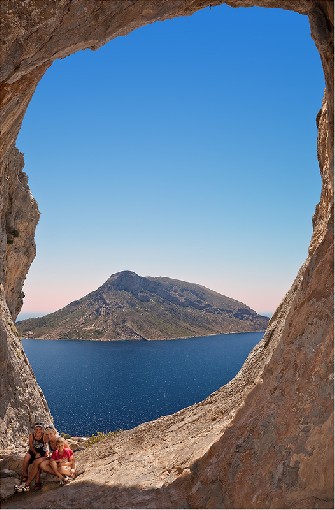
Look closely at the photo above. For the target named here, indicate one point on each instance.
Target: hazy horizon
(33, 314)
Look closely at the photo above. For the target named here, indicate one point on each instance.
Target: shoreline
(141, 339)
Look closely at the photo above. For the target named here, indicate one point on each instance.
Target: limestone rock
(12, 463)
(22, 401)
(21, 215)
(7, 487)
(265, 440)
(7, 473)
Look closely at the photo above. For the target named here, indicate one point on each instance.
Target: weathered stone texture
(22, 401)
(265, 439)
(19, 216)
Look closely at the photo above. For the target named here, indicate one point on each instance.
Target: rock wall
(276, 450)
(19, 214)
(22, 401)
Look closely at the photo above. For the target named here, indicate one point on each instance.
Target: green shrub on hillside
(66, 436)
(99, 436)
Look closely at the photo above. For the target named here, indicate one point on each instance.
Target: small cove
(104, 386)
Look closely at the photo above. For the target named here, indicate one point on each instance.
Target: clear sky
(186, 149)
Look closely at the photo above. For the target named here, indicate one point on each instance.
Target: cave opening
(89, 196)
(256, 430)
(149, 174)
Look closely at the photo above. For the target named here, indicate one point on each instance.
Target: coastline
(142, 339)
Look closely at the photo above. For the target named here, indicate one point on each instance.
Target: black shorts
(33, 455)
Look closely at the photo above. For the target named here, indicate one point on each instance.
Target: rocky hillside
(128, 306)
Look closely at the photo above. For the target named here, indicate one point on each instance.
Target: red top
(67, 454)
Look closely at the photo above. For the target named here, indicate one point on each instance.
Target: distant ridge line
(129, 306)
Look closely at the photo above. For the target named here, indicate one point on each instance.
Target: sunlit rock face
(271, 446)
(22, 401)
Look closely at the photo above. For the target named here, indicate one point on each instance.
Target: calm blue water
(103, 386)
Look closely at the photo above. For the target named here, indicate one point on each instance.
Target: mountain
(128, 306)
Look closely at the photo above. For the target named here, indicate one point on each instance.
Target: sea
(94, 386)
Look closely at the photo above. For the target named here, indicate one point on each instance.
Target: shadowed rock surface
(270, 442)
(128, 306)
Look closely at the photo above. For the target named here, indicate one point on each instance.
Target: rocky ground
(140, 467)
(129, 466)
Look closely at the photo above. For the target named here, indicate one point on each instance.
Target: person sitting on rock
(46, 465)
(63, 462)
(42, 463)
(37, 449)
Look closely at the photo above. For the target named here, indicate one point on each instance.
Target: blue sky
(185, 149)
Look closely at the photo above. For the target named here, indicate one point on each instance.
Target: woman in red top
(62, 461)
